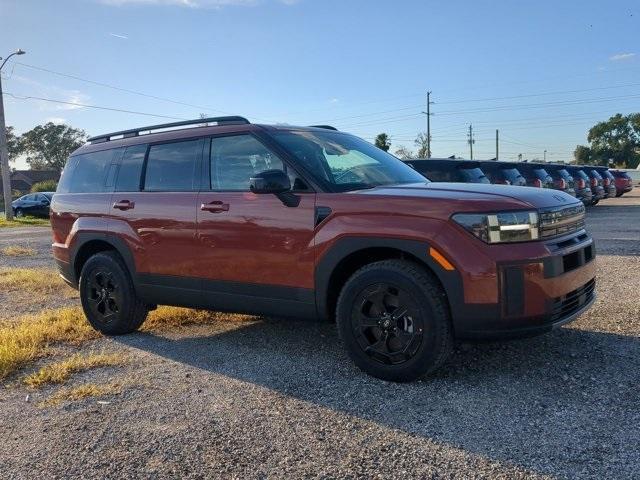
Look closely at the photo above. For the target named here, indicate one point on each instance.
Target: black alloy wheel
(387, 323)
(394, 321)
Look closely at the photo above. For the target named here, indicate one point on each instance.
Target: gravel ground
(275, 398)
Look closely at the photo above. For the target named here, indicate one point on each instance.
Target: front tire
(394, 321)
(18, 213)
(108, 297)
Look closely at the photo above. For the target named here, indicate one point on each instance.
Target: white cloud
(37, 89)
(123, 37)
(621, 56)
(56, 120)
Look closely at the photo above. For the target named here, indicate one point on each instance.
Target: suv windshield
(343, 162)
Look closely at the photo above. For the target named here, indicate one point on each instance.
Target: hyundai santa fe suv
(309, 222)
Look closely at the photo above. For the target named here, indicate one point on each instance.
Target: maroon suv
(311, 222)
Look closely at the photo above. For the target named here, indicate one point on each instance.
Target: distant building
(22, 180)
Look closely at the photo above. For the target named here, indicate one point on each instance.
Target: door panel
(160, 229)
(256, 239)
(252, 245)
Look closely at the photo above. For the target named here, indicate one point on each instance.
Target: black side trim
(321, 214)
(116, 242)
(451, 280)
(226, 296)
(513, 290)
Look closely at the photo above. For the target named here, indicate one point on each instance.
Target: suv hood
(512, 196)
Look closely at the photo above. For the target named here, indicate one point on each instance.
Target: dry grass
(17, 251)
(31, 337)
(24, 222)
(36, 280)
(60, 372)
(167, 318)
(81, 392)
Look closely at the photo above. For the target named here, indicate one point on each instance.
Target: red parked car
(311, 222)
(622, 181)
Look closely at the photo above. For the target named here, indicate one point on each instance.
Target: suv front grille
(561, 220)
(570, 303)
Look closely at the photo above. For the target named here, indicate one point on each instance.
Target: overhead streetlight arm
(17, 52)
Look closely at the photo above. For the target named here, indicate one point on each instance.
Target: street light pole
(4, 150)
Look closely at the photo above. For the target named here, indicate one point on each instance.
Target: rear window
(511, 173)
(581, 174)
(473, 175)
(88, 172)
(541, 173)
(171, 167)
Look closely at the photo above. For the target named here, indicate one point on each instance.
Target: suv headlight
(500, 227)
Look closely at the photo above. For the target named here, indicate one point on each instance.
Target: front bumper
(523, 289)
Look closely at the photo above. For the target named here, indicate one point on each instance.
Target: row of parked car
(586, 182)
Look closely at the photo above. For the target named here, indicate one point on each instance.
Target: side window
(235, 159)
(171, 167)
(89, 173)
(130, 169)
(64, 185)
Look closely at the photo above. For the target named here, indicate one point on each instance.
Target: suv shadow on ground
(556, 404)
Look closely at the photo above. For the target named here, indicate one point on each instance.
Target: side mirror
(270, 181)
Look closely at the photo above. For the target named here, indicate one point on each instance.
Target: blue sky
(542, 72)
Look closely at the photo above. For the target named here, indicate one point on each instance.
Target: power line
(127, 90)
(97, 107)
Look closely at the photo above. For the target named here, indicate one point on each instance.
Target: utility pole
(428, 114)
(4, 151)
(545, 155)
(497, 144)
(471, 141)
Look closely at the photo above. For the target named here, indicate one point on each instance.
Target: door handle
(215, 207)
(124, 205)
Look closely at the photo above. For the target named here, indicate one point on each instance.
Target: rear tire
(394, 320)
(108, 297)
(18, 213)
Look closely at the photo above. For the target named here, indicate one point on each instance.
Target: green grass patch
(24, 222)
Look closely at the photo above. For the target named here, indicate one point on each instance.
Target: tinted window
(235, 159)
(511, 174)
(171, 167)
(474, 175)
(67, 174)
(440, 175)
(130, 169)
(89, 172)
(541, 173)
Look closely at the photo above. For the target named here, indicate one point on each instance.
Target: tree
(383, 142)
(616, 139)
(13, 144)
(48, 146)
(404, 153)
(422, 142)
(582, 155)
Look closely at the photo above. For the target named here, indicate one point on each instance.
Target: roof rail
(326, 127)
(134, 132)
